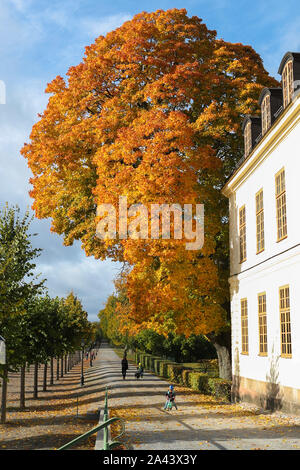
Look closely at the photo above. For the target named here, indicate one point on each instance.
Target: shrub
(157, 365)
(220, 388)
(199, 381)
(147, 361)
(163, 368)
(185, 377)
(174, 372)
(152, 362)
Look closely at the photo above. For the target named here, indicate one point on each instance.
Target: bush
(220, 388)
(163, 368)
(157, 365)
(152, 363)
(185, 377)
(147, 361)
(174, 372)
(199, 381)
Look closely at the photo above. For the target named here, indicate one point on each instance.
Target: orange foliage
(153, 113)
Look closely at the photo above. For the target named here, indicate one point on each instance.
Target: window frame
(248, 138)
(259, 213)
(262, 327)
(287, 83)
(266, 114)
(284, 310)
(244, 327)
(280, 197)
(242, 227)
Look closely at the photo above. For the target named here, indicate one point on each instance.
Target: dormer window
(248, 138)
(287, 83)
(265, 114)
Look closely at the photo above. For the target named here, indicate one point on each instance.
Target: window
(281, 205)
(287, 83)
(266, 114)
(242, 214)
(248, 138)
(260, 230)
(244, 324)
(285, 321)
(262, 324)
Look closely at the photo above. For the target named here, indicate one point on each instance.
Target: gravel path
(201, 422)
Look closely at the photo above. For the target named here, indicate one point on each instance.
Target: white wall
(286, 155)
(253, 278)
(279, 273)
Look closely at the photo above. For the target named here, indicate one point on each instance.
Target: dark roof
(252, 119)
(295, 56)
(269, 91)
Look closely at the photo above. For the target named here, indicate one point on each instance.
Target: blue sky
(40, 39)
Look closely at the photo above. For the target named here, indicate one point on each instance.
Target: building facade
(264, 200)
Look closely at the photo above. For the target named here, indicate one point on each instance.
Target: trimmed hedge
(152, 362)
(220, 388)
(163, 368)
(199, 381)
(185, 377)
(174, 372)
(157, 365)
(201, 376)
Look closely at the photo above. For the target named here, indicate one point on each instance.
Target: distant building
(264, 220)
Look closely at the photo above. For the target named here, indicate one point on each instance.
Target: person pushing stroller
(140, 371)
(170, 401)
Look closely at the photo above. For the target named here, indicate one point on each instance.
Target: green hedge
(174, 372)
(201, 376)
(152, 362)
(163, 368)
(199, 381)
(185, 377)
(157, 365)
(220, 388)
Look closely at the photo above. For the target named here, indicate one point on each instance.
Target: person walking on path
(124, 364)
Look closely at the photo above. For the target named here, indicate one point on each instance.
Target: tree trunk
(4, 394)
(57, 368)
(62, 366)
(22, 387)
(51, 371)
(35, 384)
(66, 367)
(222, 343)
(45, 377)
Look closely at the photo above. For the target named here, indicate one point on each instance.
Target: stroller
(140, 372)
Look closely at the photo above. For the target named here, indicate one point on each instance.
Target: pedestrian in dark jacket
(124, 364)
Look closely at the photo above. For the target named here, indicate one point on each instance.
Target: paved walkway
(201, 422)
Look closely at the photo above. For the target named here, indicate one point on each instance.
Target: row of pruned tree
(37, 328)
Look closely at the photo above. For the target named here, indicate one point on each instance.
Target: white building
(264, 200)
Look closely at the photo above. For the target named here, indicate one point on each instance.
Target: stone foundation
(268, 396)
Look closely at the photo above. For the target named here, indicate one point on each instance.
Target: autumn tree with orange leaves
(153, 113)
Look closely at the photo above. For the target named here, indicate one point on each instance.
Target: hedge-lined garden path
(201, 421)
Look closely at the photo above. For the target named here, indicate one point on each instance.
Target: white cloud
(96, 27)
(91, 280)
